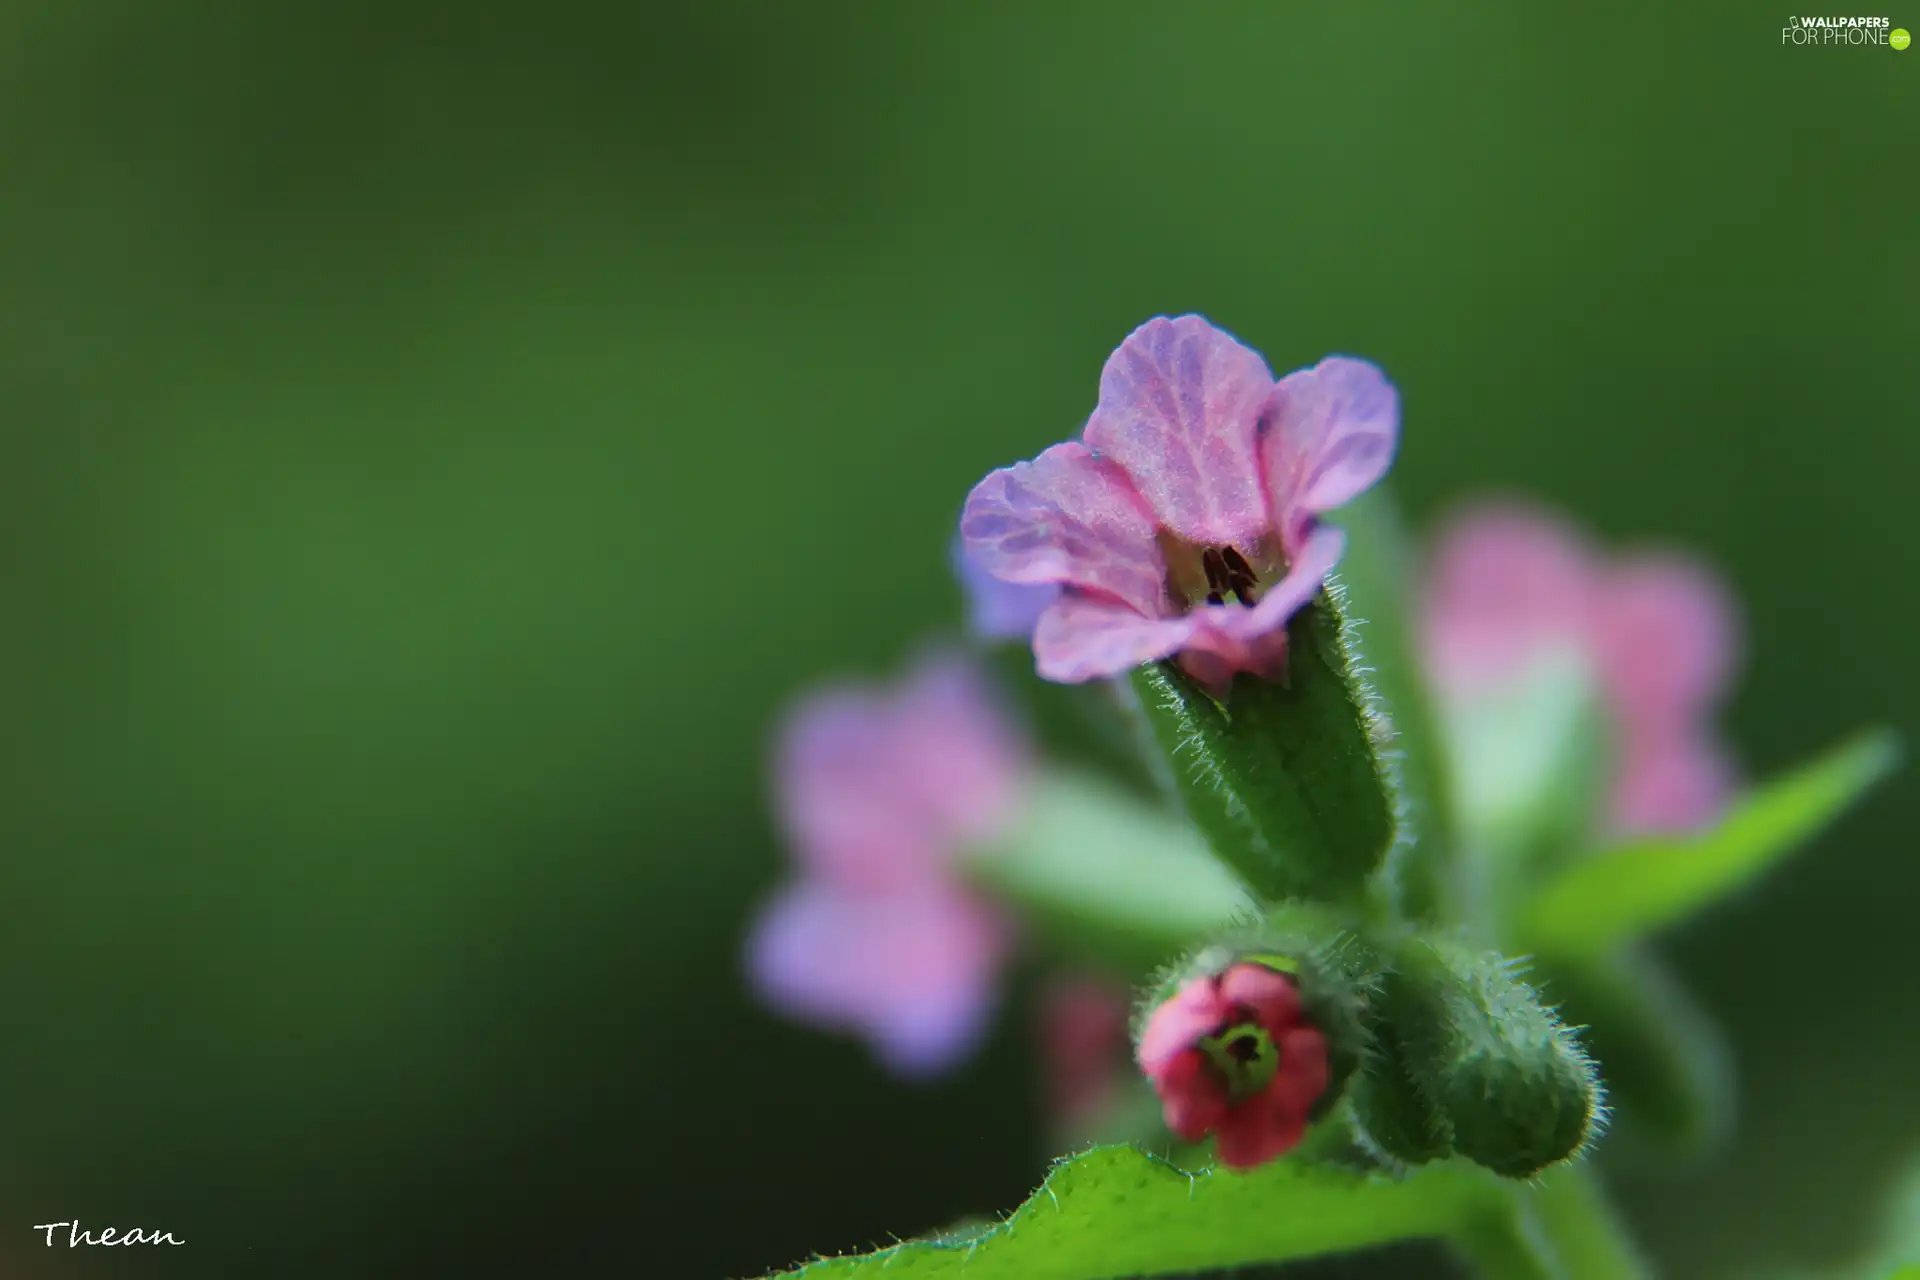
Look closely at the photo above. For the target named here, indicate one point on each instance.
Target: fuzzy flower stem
(1575, 1216)
(1561, 1229)
(1507, 1245)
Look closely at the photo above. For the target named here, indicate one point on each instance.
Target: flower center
(1215, 575)
(1228, 574)
(1244, 1056)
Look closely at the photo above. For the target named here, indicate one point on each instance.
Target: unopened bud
(1509, 1078)
(1394, 1112)
(1253, 1040)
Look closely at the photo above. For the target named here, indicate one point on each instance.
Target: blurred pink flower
(1509, 584)
(1083, 1037)
(911, 971)
(1186, 519)
(882, 790)
(1232, 1054)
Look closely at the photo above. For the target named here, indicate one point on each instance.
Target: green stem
(1586, 1233)
(1505, 1243)
(1562, 1228)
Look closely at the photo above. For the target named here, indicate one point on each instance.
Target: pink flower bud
(1232, 1054)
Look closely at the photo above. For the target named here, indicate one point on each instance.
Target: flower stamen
(1244, 1057)
(1240, 577)
(1228, 574)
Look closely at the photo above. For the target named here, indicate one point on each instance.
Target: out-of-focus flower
(1232, 1054)
(882, 785)
(911, 971)
(1186, 519)
(1083, 1036)
(882, 791)
(1512, 592)
(999, 610)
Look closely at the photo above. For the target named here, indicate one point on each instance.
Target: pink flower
(1083, 1036)
(1233, 1055)
(1186, 520)
(998, 610)
(1510, 586)
(913, 971)
(882, 791)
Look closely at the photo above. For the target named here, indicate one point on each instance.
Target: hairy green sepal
(1507, 1076)
(1292, 781)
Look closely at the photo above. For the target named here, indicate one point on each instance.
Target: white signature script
(108, 1236)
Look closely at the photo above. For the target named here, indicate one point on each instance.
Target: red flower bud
(1232, 1054)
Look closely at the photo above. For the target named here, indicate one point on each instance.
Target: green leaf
(1111, 875)
(1613, 896)
(1374, 583)
(1291, 781)
(1115, 1212)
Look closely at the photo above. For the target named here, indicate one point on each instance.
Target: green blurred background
(439, 437)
